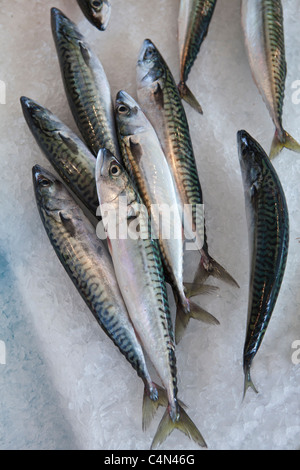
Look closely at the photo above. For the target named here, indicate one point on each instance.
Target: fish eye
(96, 4)
(149, 53)
(115, 170)
(122, 109)
(45, 183)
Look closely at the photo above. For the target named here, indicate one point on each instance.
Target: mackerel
(139, 270)
(268, 226)
(160, 100)
(86, 85)
(193, 23)
(90, 268)
(262, 22)
(145, 161)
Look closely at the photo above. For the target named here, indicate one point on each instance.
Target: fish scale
(268, 225)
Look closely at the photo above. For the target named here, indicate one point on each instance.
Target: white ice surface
(64, 384)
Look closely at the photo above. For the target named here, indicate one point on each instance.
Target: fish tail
(209, 267)
(248, 381)
(283, 140)
(154, 396)
(182, 422)
(183, 316)
(192, 289)
(188, 96)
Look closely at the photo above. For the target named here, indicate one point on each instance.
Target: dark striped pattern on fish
(268, 224)
(86, 85)
(272, 15)
(193, 23)
(66, 152)
(199, 19)
(161, 102)
(90, 268)
(263, 26)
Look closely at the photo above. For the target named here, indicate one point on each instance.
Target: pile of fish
(135, 156)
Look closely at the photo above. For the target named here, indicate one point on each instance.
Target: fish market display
(146, 162)
(193, 23)
(262, 22)
(86, 85)
(97, 12)
(159, 98)
(66, 152)
(268, 226)
(89, 266)
(139, 271)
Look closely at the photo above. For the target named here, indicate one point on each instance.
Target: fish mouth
(29, 106)
(103, 158)
(141, 56)
(244, 143)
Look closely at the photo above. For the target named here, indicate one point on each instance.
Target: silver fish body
(139, 271)
(86, 85)
(90, 268)
(146, 162)
(70, 157)
(97, 12)
(262, 22)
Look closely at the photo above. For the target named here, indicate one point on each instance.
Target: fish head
(130, 118)
(150, 65)
(250, 156)
(37, 116)
(111, 178)
(63, 28)
(50, 193)
(97, 12)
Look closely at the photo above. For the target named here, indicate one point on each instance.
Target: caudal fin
(183, 423)
(183, 317)
(209, 267)
(287, 141)
(188, 96)
(248, 381)
(152, 400)
(191, 289)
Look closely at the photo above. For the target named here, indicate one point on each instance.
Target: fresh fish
(97, 12)
(86, 85)
(139, 271)
(159, 98)
(262, 22)
(193, 23)
(145, 161)
(268, 225)
(89, 266)
(66, 152)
